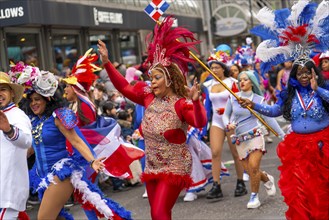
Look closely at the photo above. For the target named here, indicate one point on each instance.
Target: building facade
(52, 34)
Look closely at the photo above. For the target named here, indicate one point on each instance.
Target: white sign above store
(14, 12)
(107, 17)
(230, 26)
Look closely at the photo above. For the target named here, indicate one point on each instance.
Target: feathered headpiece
(42, 82)
(218, 57)
(83, 72)
(291, 35)
(170, 45)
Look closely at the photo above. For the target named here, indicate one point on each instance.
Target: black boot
(240, 189)
(215, 192)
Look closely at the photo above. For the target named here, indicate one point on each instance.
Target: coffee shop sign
(107, 17)
(6, 13)
(230, 26)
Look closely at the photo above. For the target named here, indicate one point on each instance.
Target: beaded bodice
(163, 155)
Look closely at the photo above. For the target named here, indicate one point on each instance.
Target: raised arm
(19, 133)
(133, 93)
(193, 113)
(323, 93)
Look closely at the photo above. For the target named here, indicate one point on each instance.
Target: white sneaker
(145, 194)
(190, 196)
(268, 139)
(254, 202)
(270, 185)
(245, 177)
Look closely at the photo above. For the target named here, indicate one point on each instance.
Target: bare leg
(254, 172)
(54, 199)
(245, 164)
(234, 152)
(216, 144)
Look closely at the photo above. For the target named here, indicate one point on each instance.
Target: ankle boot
(215, 192)
(240, 189)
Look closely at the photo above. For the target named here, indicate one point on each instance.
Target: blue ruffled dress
(53, 159)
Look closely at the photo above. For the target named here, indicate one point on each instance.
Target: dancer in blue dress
(58, 173)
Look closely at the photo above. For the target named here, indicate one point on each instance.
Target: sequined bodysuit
(164, 128)
(163, 155)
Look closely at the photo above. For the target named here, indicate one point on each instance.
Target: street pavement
(229, 208)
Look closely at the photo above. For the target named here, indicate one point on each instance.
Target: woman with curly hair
(169, 109)
(60, 171)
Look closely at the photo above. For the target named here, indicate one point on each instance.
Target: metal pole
(251, 16)
(208, 16)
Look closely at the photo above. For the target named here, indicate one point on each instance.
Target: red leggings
(162, 197)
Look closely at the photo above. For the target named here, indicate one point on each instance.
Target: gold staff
(227, 88)
(238, 98)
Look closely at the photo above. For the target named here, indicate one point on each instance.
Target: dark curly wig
(178, 81)
(53, 103)
(290, 92)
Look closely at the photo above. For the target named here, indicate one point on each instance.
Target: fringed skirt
(304, 178)
(86, 193)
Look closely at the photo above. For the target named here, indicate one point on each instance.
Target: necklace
(305, 105)
(36, 132)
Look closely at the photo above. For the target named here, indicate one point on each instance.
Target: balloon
(225, 48)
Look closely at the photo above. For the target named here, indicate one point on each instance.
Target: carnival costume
(201, 161)
(249, 132)
(99, 131)
(304, 153)
(166, 119)
(52, 156)
(14, 179)
(216, 101)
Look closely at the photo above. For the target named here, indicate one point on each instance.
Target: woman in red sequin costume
(170, 108)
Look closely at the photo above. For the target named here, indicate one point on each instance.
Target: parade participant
(77, 87)
(78, 84)
(324, 64)
(283, 75)
(216, 99)
(304, 153)
(235, 69)
(169, 109)
(249, 135)
(58, 172)
(15, 139)
(201, 164)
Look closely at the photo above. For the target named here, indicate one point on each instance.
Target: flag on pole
(156, 8)
(103, 135)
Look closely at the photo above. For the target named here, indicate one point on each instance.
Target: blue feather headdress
(291, 35)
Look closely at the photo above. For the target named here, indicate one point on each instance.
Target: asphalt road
(230, 208)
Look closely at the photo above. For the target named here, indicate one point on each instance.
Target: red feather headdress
(83, 72)
(170, 45)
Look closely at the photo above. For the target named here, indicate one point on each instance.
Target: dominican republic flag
(156, 8)
(104, 136)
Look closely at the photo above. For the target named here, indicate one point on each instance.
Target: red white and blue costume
(53, 159)
(14, 179)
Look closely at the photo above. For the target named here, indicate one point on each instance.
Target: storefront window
(66, 52)
(23, 47)
(129, 48)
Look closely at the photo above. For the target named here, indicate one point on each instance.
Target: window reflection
(66, 52)
(23, 47)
